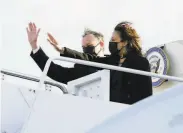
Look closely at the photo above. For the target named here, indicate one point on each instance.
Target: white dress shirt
(35, 50)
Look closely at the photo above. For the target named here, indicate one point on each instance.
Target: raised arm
(56, 72)
(66, 52)
(83, 56)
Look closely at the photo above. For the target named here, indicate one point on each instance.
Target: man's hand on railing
(32, 33)
(54, 43)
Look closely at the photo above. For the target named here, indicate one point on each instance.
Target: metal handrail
(35, 79)
(100, 65)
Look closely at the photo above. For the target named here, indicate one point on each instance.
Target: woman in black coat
(125, 48)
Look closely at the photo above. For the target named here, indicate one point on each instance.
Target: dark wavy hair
(129, 34)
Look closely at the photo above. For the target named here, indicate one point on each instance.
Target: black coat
(59, 73)
(124, 87)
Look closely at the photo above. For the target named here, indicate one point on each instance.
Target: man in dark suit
(92, 43)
